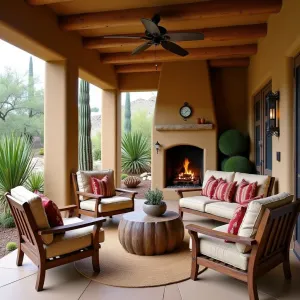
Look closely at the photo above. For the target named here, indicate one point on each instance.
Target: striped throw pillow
(225, 191)
(245, 191)
(210, 187)
(102, 186)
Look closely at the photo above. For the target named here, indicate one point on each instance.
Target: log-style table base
(146, 235)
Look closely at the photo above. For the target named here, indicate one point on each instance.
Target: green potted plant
(154, 206)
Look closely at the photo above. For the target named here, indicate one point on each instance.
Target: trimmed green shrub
(238, 164)
(97, 154)
(35, 182)
(123, 176)
(11, 246)
(232, 143)
(7, 220)
(223, 163)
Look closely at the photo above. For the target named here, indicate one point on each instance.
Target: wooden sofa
(51, 247)
(262, 243)
(220, 210)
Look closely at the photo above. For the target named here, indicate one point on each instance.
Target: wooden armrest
(90, 195)
(68, 207)
(125, 191)
(221, 235)
(188, 190)
(64, 228)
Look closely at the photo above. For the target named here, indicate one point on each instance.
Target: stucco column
(111, 133)
(61, 130)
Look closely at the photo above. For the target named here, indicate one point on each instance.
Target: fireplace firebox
(184, 166)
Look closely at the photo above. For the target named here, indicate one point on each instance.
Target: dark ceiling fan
(158, 35)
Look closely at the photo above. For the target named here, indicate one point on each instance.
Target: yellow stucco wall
(183, 82)
(274, 61)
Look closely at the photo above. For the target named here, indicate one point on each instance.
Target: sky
(17, 59)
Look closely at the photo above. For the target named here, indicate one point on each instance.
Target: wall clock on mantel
(185, 111)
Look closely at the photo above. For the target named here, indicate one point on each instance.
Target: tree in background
(127, 115)
(21, 104)
(142, 122)
(85, 143)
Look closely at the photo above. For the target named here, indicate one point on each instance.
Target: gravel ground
(142, 188)
(7, 235)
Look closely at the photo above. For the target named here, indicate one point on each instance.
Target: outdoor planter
(155, 210)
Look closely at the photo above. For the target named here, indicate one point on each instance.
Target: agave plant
(15, 164)
(35, 182)
(136, 154)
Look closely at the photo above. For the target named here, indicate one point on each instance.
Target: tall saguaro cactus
(85, 142)
(127, 123)
(30, 84)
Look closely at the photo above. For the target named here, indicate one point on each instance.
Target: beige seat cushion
(22, 195)
(221, 251)
(195, 202)
(255, 212)
(221, 209)
(107, 204)
(72, 240)
(84, 180)
(263, 181)
(228, 176)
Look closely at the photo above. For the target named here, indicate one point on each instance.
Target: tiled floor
(66, 284)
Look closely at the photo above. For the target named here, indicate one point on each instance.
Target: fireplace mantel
(183, 127)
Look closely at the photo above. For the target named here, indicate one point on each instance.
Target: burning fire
(187, 174)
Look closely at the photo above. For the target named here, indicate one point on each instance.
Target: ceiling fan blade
(151, 27)
(174, 48)
(141, 48)
(185, 36)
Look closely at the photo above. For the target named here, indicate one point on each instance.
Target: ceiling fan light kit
(158, 35)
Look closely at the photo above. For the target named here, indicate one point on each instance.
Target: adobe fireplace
(184, 166)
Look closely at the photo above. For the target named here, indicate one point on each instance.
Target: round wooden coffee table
(145, 235)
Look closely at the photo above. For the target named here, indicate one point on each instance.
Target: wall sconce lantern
(157, 146)
(273, 113)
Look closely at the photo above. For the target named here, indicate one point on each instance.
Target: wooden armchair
(93, 205)
(52, 247)
(269, 248)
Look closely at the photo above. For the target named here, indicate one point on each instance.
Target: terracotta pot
(155, 210)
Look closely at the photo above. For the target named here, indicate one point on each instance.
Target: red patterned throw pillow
(245, 191)
(52, 212)
(102, 186)
(210, 186)
(225, 191)
(239, 214)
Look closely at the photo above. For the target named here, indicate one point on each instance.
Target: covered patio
(249, 51)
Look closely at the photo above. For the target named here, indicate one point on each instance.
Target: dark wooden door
(262, 142)
(297, 150)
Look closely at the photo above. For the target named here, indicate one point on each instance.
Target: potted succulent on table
(154, 206)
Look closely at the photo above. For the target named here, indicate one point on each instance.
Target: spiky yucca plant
(85, 142)
(136, 154)
(15, 164)
(35, 182)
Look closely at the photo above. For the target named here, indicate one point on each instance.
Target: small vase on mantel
(201, 121)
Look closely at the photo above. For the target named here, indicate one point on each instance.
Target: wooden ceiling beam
(231, 33)
(194, 54)
(226, 63)
(140, 68)
(44, 2)
(170, 13)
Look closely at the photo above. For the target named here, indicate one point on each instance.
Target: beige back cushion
(84, 180)
(228, 176)
(263, 181)
(255, 212)
(22, 195)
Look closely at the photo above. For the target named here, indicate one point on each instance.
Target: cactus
(127, 124)
(85, 142)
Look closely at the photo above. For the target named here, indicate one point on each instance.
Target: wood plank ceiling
(231, 28)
